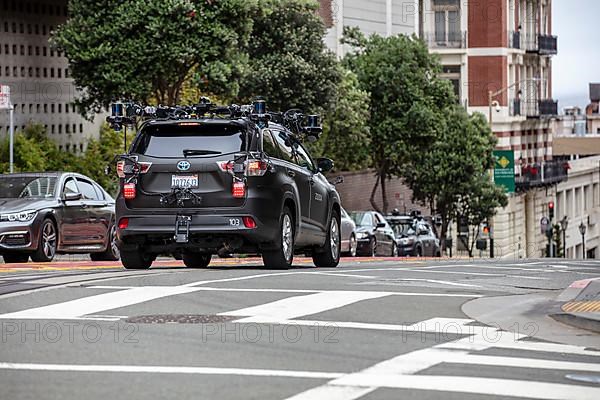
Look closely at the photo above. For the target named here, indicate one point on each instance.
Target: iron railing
(542, 174)
(446, 40)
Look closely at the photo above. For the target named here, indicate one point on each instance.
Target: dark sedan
(374, 235)
(44, 214)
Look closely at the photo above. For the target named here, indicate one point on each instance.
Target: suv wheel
(112, 251)
(283, 256)
(394, 250)
(196, 260)
(15, 258)
(136, 259)
(47, 243)
(353, 245)
(372, 248)
(328, 256)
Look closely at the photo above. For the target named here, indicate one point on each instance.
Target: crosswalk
(465, 345)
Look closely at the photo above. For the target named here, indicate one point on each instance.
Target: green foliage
(143, 49)
(407, 99)
(346, 137)
(452, 176)
(288, 63)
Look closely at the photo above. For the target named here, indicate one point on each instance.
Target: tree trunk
(372, 199)
(384, 194)
(443, 233)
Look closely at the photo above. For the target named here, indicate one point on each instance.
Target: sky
(577, 25)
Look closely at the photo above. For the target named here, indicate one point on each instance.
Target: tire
(328, 256)
(353, 246)
(136, 259)
(15, 258)
(394, 250)
(283, 256)
(46, 249)
(418, 252)
(112, 252)
(196, 260)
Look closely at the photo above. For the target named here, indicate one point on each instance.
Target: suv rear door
(208, 147)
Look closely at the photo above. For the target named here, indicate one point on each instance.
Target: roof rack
(132, 114)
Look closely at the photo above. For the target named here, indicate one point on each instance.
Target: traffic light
(485, 229)
(551, 210)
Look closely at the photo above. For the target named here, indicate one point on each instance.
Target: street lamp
(564, 223)
(582, 229)
(494, 103)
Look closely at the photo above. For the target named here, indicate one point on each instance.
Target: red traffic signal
(551, 210)
(551, 205)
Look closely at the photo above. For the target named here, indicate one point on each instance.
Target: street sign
(504, 169)
(4, 97)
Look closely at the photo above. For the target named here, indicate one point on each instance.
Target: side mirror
(324, 164)
(380, 225)
(72, 196)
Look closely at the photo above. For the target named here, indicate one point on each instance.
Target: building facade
(41, 88)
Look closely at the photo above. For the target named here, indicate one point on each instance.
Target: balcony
(547, 44)
(514, 40)
(540, 175)
(515, 107)
(541, 44)
(445, 40)
(538, 108)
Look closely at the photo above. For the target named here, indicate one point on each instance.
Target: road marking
(341, 274)
(398, 372)
(78, 308)
(170, 370)
(299, 306)
(487, 386)
(439, 282)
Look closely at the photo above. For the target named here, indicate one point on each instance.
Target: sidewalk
(580, 305)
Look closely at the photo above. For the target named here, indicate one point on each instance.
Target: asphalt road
(370, 329)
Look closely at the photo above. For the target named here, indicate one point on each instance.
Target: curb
(579, 305)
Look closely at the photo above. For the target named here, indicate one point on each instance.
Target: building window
(30, 72)
(46, 108)
(44, 30)
(45, 51)
(59, 129)
(7, 71)
(67, 74)
(37, 29)
(51, 53)
(22, 72)
(80, 128)
(15, 72)
(14, 49)
(66, 108)
(37, 108)
(31, 109)
(21, 27)
(37, 72)
(22, 48)
(6, 49)
(74, 128)
(52, 108)
(29, 50)
(68, 128)
(6, 27)
(37, 50)
(53, 129)
(29, 30)
(45, 72)
(59, 71)
(51, 72)
(59, 107)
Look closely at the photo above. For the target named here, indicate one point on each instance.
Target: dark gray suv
(199, 186)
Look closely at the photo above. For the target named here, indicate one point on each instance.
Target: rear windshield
(172, 141)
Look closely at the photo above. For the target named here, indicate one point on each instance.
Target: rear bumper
(209, 229)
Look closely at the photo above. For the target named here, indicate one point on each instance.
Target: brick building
(41, 88)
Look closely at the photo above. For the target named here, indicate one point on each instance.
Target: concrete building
(383, 17)
(578, 199)
(592, 111)
(41, 88)
(498, 54)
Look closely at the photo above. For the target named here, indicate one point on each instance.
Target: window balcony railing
(541, 44)
(542, 174)
(547, 44)
(446, 40)
(515, 107)
(538, 108)
(514, 40)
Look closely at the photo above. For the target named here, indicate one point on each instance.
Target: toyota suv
(199, 185)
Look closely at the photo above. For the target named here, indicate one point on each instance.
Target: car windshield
(402, 228)
(27, 187)
(362, 219)
(173, 141)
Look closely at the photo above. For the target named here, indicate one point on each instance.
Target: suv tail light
(129, 191)
(256, 168)
(123, 169)
(225, 166)
(238, 190)
(249, 222)
(123, 223)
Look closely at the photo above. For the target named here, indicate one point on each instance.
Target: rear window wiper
(191, 152)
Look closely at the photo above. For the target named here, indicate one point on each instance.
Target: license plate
(184, 181)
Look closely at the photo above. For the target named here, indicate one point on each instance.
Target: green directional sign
(504, 169)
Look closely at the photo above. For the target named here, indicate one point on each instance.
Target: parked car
(201, 185)
(374, 235)
(349, 243)
(414, 236)
(42, 214)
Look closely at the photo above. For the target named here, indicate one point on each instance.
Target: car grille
(20, 239)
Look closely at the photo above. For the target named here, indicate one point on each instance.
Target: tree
(452, 176)
(346, 136)
(143, 49)
(407, 99)
(288, 62)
